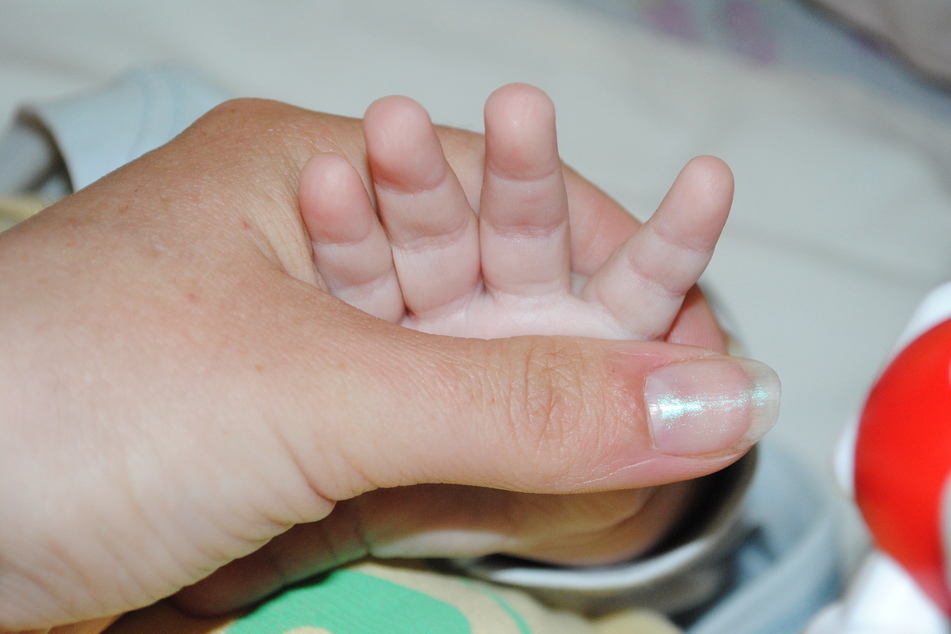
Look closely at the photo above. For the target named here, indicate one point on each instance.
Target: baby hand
(516, 259)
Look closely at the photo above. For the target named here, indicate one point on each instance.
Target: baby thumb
(558, 415)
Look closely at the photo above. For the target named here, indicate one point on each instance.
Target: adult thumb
(554, 414)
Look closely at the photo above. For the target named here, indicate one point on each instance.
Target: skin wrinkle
(271, 565)
(33, 580)
(453, 308)
(401, 190)
(437, 242)
(283, 567)
(657, 288)
(519, 304)
(550, 392)
(341, 245)
(553, 172)
(618, 396)
(251, 538)
(533, 197)
(524, 231)
(602, 444)
(68, 561)
(360, 527)
(541, 397)
(564, 550)
(363, 289)
(668, 291)
(323, 503)
(680, 244)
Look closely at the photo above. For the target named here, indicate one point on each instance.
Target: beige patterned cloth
(372, 597)
(14, 209)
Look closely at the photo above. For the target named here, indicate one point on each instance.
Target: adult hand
(177, 392)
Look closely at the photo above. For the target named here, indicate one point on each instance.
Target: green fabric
(502, 603)
(339, 603)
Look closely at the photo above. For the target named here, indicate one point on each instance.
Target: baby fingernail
(710, 406)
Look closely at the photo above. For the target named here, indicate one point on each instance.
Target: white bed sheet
(843, 208)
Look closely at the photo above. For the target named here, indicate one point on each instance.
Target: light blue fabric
(99, 131)
(788, 568)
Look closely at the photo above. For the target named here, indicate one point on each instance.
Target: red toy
(898, 464)
(903, 459)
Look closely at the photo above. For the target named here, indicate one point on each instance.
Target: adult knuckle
(252, 125)
(262, 112)
(554, 402)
